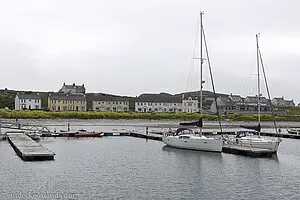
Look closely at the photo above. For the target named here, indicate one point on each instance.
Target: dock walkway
(151, 136)
(27, 149)
(246, 151)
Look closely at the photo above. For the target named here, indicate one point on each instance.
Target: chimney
(73, 84)
(282, 97)
(64, 83)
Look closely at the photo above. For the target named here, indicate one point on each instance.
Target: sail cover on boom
(198, 123)
(256, 128)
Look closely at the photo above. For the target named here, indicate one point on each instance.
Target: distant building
(67, 102)
(103, 102)
(162, 102)
(190, 104)
(72, 89)
(237, 104)
(225, 105)
(282, 102)
(27, 102)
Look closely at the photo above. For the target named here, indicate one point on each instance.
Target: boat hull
(203, 144)
(88, 134)
(258, 143)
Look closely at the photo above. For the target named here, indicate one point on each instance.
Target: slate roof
(79, 89)
(28, 96)
(108, 97)
(225, 101)
(61, 96)
(159, 98)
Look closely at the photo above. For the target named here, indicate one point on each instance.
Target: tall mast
(258, 81)
(201, 63)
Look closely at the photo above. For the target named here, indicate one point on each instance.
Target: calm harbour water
(133, 168)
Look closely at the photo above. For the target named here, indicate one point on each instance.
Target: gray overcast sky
(129, 47)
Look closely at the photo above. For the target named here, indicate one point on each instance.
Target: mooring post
(68, 127)
(146, 130)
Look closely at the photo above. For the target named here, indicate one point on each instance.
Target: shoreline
(39, 114)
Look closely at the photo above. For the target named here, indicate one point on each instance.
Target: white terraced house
(27, 102)
(163, 102)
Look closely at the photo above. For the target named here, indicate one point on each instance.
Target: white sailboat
(248, 139)
(186, 138)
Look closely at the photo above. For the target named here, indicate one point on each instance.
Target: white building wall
(161, 107)
(17, 103)
(29, 104)
(190, 105)
(114, 106)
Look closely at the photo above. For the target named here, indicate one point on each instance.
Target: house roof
(28, 96)
(254, 98)
(108, 97)
(61, 96)
(225, 101)
(69, 88)
(278, 98)
(159, 98)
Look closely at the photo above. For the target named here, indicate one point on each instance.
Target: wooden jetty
(150, 136)
(27, 149)
(247, 151)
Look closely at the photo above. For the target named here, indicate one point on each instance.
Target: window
(139, 109)
(184, 137)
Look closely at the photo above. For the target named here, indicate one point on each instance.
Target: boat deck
(27, 149)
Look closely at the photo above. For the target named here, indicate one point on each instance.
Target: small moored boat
(87, 134)
(293, 131)
(35, 135)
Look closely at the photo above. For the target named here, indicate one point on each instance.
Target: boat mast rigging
(258, 81)
(201, 65)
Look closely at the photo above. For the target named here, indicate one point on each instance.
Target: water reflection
(215, 155)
